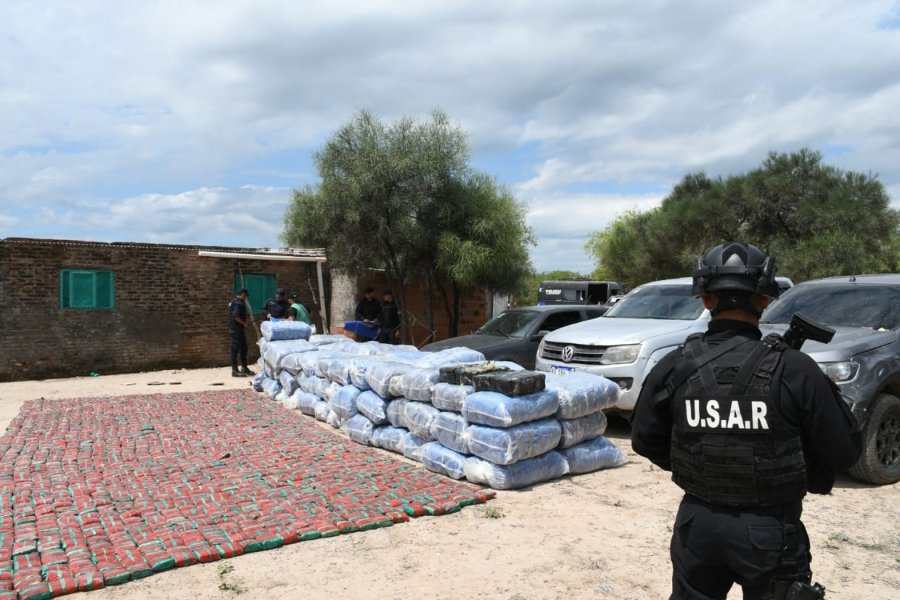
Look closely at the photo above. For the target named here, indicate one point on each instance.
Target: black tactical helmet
(736, 267)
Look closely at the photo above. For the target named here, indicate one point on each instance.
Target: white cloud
(115, 107)
(249, 217)
(563, 224)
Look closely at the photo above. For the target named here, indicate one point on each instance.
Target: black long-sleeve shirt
(368, 309)
(800, 393)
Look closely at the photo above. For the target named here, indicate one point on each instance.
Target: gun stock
(803, 328)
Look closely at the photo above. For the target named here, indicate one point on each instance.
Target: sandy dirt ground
(602, 535)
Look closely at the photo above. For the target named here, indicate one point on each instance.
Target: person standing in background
(368, 308)
(388, 320)
(276, 308)
(237, 321)
(296, 311)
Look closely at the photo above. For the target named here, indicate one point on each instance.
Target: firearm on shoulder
(803, 328)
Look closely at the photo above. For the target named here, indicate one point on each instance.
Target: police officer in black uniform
(237, 321)
(277, 308)
(747, 427)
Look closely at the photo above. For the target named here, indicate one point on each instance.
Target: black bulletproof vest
(730, 445)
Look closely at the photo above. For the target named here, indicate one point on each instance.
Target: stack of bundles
(274, 331)
(280, 339)
(460, 415)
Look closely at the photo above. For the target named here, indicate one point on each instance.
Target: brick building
(70, 308)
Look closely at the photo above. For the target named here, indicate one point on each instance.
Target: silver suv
(626, 342)
(633, 335)
(863, 359)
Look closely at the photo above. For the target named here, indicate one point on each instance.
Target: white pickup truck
(626, 342)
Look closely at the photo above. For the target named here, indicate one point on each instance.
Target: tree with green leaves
(815, 219)
(402, 197)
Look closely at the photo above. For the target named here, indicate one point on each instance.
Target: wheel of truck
(880, 459)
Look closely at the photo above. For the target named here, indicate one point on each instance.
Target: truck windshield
(658, 302)
(873, 306)
(509, 323)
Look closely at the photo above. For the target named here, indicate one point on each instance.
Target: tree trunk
(442, 288)
(454, 319)
(429, 311)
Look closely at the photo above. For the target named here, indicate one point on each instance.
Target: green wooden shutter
(79, 288)
(260, 288)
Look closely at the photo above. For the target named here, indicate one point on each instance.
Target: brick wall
(474, 309)
(171, 307)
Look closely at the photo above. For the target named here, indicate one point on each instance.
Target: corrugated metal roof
(306, 252)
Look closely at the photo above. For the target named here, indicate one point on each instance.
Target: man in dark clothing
(741, 423)
(276, 308)
(388, 320)
(368, 308)
(237, 321)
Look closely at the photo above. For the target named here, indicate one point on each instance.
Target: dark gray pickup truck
(863, 359)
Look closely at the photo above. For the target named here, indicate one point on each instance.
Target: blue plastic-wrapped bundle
(442, 460)
(326, 339)
(306, 402)
(313, 385)
(380, 374)
(357, 368)
(521, 474)
(499, 410)
(344, 402)
(337, 368)
(593, 455)
(388, 437)
(289, 385)
(450, 396)
(335, 420)
(418, 384)
(322, 411)
(373, 406)
(276, 353)
(460, 354)
(351, 347)
(512, 444)
(418, 417)
(581, 393)
(450, 429)
(359, 429)
(333, 361)
(302, 381)
(329, 391)
(575, 431)
(271, 387)
(285, 330)
(394, 411)
(258, 381)
(309, 363)
(403, 353)
(411, 446)
(287, 356)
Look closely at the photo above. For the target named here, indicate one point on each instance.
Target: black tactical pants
(714, 547)
(238, 347)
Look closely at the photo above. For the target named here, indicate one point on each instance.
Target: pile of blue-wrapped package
(455, 412)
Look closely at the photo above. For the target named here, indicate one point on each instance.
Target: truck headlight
(620, 355)
(844, 370)
(540, 352)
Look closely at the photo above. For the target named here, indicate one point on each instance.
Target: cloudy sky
(191, 121)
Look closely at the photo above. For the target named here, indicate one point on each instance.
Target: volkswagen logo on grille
(568, 353)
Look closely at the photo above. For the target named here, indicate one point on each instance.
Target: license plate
(558, 370)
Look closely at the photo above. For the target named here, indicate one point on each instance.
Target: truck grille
(582, 354)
